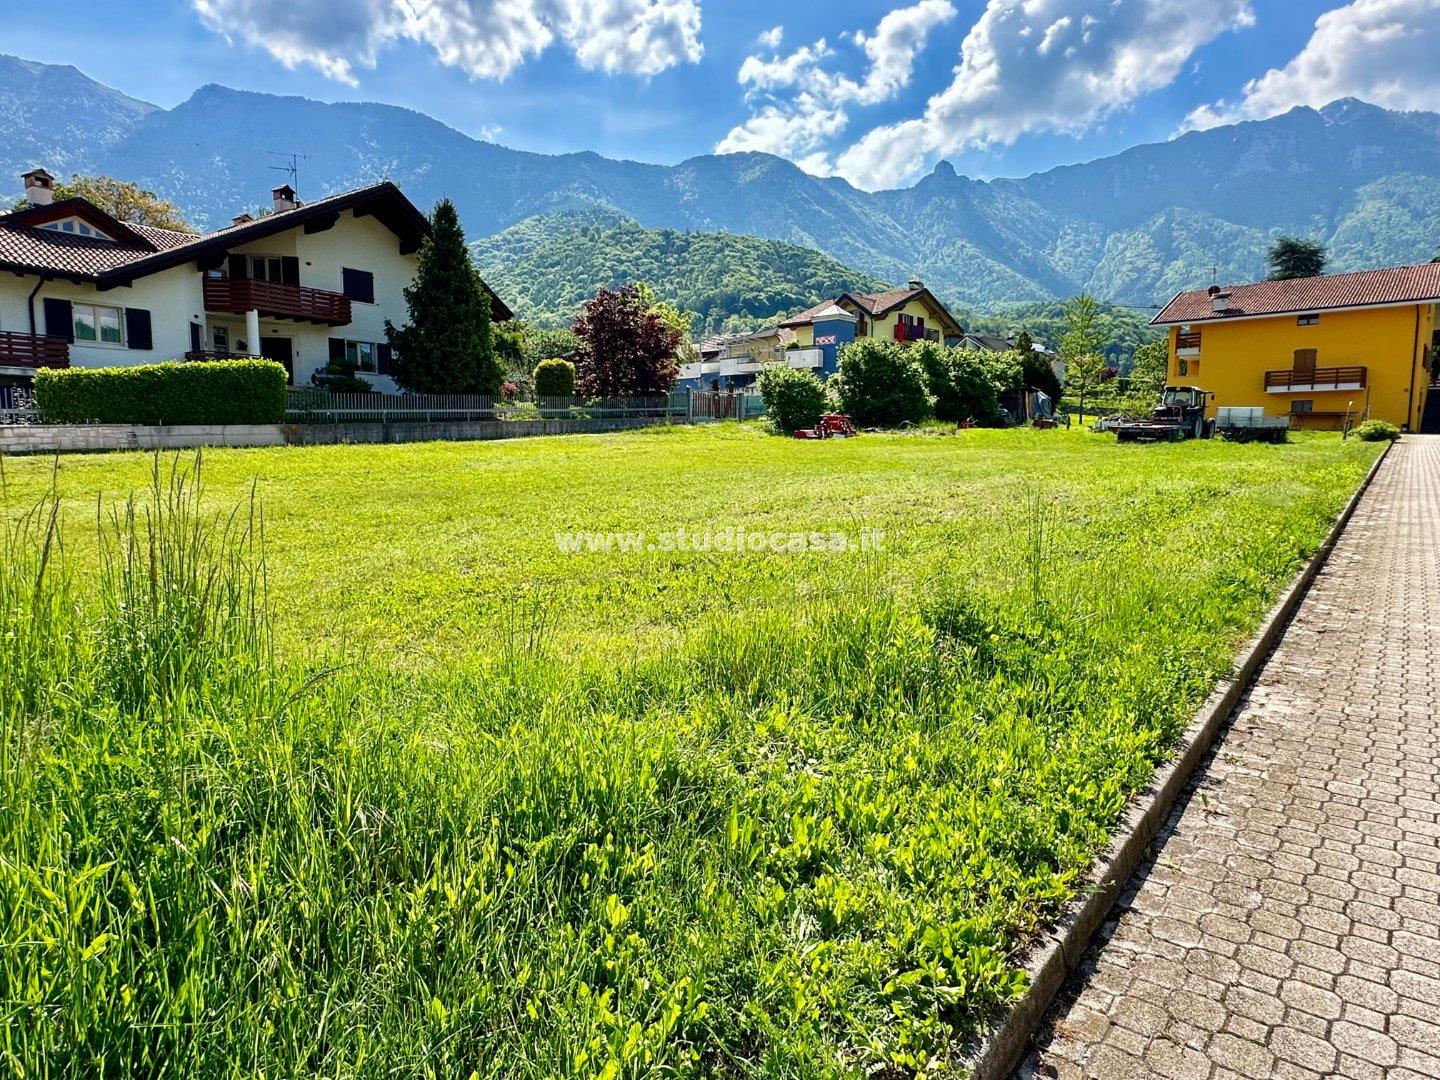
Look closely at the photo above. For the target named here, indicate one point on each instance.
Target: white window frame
(353, 353)
(95, 310)
(74, 226)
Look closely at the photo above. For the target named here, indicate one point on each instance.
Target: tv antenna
(291, 168)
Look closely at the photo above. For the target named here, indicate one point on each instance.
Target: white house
(308, 282)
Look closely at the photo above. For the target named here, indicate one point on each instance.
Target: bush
(881, 384)
(554, 378)
(962, 382)
(218, 392)
(1376, 431)
(794, 397)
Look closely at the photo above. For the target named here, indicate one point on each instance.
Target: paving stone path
(1287, 923)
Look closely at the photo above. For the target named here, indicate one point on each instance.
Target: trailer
(1248, 423)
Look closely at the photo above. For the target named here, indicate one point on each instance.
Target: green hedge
(554, 378)
(218, 392)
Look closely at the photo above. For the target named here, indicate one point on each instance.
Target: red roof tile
(1393, 285)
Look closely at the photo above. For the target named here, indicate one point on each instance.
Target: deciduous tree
(624, 348)
(123, 201)
(1082, 346)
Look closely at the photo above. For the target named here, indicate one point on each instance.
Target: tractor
(1180, 415)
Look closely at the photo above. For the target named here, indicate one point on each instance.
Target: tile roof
(32, 248)
(880, 303)
(1393, 285)
(67, 253)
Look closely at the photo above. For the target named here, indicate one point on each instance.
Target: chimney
(284, 196)
(241, 219)
(916, 284)
(39, 187)
(1219, 299)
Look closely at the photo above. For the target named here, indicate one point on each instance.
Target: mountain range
(1133, 228)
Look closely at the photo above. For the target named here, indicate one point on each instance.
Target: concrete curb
(1061, 950)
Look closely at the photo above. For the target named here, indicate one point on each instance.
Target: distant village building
(1317, 349)
(813, 338)
(302, 285)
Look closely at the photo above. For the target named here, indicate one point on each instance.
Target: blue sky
(998, 87)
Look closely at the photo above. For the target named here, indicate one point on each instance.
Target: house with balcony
(733, 361)
(904, 315)
(302, 285)
(1317, 349)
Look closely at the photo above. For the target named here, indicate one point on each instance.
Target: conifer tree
(448, 346)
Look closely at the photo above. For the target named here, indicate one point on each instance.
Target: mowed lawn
(453, 802)
(413, 553)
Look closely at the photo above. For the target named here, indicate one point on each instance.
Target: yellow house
(909, 314)
(1315, 348)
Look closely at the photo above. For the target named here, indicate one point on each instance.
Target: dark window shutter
(197, 337)
(337, 348)
(239, 266)
(384, 358)
(358, 285)
(59, 319)
(137, 328)
(290, 270)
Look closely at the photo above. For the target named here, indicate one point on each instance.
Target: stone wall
(54, 438)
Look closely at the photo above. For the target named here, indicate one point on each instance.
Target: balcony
(915, 332)
(1188, 344)
(33, 351)
(273, 300)
(1301, 380)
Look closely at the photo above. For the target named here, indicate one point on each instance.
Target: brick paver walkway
(1288, 923)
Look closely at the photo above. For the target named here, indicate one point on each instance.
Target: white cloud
(799, 103)
(484, 38)
(771, 38)
(1379, 50)
(1044, 65)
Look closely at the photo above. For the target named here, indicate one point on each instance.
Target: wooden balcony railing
(275, 301)
(33, 350)
(1187, 341)
(1325, 378)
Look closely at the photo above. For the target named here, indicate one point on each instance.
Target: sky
(875, 92)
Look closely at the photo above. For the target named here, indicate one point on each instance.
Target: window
(1306, 406)
(267, 268)
(75, 227)
(100, 325)
(361, 354)
(1184, 367)
(1308, 320)
(358, 285)
(220, 339)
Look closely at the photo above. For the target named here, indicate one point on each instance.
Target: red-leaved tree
(625, 349)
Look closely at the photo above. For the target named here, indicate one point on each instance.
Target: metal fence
(17, 406)
(306, 405)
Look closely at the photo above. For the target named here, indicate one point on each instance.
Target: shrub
(881, 384)
(218, 392)
(794, 397)
(554, 378)
(962, 382)
(1376, 431)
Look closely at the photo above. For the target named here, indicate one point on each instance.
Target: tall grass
(809, 842)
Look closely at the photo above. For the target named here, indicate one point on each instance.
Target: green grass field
(401, 789)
